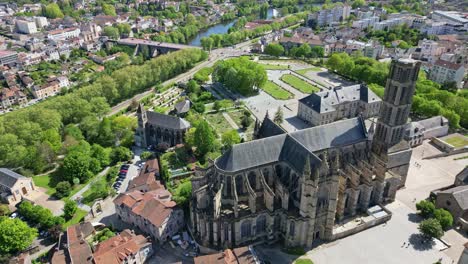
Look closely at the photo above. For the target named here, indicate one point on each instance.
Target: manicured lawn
(303, 261)
(218, 122)
(80, 214)
(276, 91)
(274, 66)
(304, 71)
(44, 181)
(457, 141)
(299, 84)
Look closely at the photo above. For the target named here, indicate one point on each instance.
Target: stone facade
(341, 102)
(294, 187)
(159, 130)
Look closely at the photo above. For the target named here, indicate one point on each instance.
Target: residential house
(75, 249)
(444, 72)
(46, 90)
(8, 57)
(148, 205)
(153, 212)
(13, 186)
(12, 96)
(125, 247)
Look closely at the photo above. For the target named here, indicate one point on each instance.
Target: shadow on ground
(421, 243)
(414, 218)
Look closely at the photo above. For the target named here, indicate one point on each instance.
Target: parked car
(125, 167)
(14, 215)
(123, 171)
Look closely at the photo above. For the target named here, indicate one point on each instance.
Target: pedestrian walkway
(230, 121)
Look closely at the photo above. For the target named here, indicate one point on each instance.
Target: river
(223, 28)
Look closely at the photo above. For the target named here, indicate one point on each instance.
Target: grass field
(276, 91)
(237, 117)
(457, 141)
(80, 214)
(299, 84)
(218, 122)
(274, 66)
(44, 181)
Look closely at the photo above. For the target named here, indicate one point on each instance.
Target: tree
(15, 235)
(207, 43)
(182, 193)
(199, 107)
(240, 75)
(111, 32)
(222, 104)
(303, 51)
(108, 10)
(246, 121)
(274, 49)
(120, 154)
(431, 228)
(145, 155)
(63, 189)
(204, 138)
(230, 138)
(278, 119)
(69, 209)
(76, 165)
(358, 3)
(426, 208)
(53, 11)
(4, 210)
(444, 217)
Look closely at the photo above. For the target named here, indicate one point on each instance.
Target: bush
(431, 228)
(63, 189)
(426, 208)
(444, 217)
(105, 234)
(69, 209)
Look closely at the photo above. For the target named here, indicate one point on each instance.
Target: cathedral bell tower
(388, 142)
(140, 134)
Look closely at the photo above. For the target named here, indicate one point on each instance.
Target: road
(214, 56)
(77, 196)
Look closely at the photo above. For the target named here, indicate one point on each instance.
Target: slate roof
(182, 106)
(294, 148)
(8, 177)
(460, 194)
(326, 101)
(433, 122)
(462, 176)
(269, 129)
(167, 121)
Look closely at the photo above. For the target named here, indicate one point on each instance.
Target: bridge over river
(155, 47)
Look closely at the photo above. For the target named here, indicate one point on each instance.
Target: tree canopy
(15, 235)
(240, 75)
(53, 10)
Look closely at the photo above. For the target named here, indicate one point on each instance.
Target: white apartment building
(393, 22)
(8, 57)
(366, 22)
(327, 17)
(26, 27)
(63, 34)
(444, 72)
(450, 16)
(41, 22)
(430, 50)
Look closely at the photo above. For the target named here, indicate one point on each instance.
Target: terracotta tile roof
(154, 206)
(448, 65)
(118, 248)
(79, 250)
(241, 255)
(147, 177)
